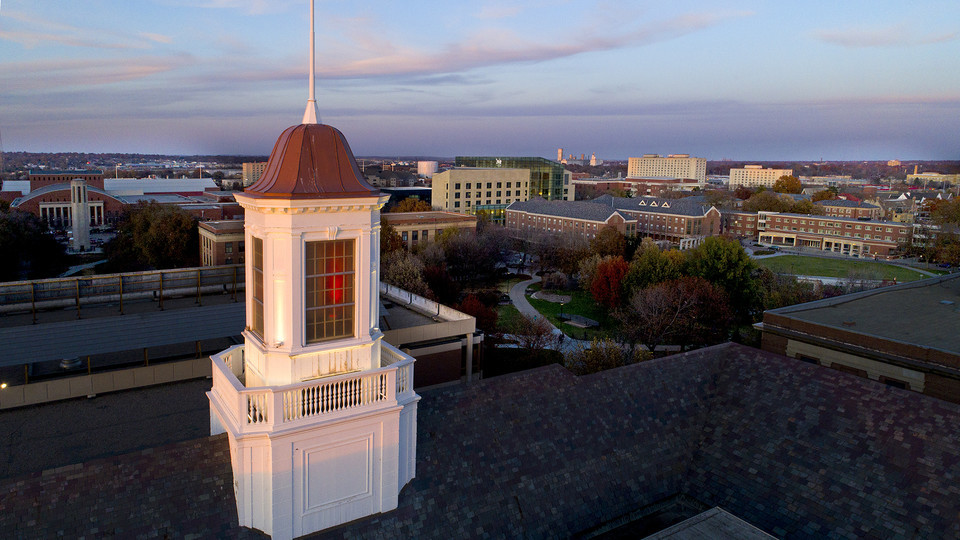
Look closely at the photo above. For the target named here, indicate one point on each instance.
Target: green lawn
(506, 317)
(581, 303)
(840, 268)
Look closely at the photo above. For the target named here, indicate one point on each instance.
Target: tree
(724, 263)
(607, 286)
(402, 269)
(650, 266)
(27, 250)
(154, 236)
(485, 315)
(608, 241)
(807, 207)
(743, 193)
(788, 184)
(767, 201)
(533, 333)
(823, 195)
(944, 212)
(688, 311)
(390, 240)
(601, 355)
(411, 204)
(442, 285)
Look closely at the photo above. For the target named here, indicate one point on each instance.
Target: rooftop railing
(266, 408)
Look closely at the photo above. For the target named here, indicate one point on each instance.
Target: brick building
(42, 177)
(581, 218)
(905, 336)
(738, 224)
(420, 227)
(850, 209)
(221, 242)
(52, 204)
(847, 236)
(683, 222)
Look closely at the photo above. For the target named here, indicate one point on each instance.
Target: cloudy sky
(739, 79)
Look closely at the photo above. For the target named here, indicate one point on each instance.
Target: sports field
(840, 268)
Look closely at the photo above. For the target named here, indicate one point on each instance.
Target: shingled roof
(797, 450)
(845, 203)
(680, 207)
(587, 210)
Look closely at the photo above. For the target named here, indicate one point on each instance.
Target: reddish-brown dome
(311, 161)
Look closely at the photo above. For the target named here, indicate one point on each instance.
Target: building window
(330, 299)
(257, 266)
(228, 247)
(403, 235)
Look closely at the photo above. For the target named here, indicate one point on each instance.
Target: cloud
(159, 38)
(881, 36)
(34, 31)
(495, 47)
(58, 74)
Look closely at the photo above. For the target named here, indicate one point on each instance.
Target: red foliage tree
(607, 285)
(486, 317)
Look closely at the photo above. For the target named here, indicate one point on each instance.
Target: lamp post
(561, 311)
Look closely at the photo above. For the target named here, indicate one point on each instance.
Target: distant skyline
(745, 80)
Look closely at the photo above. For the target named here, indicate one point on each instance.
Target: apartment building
(753, 176)
(738, 224)
(847, 236)
(676, 166)
(850, 209)
(252, 172)
(581, 218)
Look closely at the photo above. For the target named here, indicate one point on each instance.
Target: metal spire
(311, 115)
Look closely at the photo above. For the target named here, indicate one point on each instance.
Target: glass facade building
(546, 176)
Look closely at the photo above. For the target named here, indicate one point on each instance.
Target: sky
(744, 80)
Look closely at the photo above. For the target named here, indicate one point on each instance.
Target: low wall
(101, 383)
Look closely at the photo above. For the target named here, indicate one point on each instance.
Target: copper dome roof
(311, 161)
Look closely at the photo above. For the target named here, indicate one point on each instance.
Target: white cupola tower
(319, 412)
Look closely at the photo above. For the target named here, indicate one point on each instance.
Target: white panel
(335, 473)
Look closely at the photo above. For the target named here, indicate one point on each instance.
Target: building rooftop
(655, 204)
(923, 313)
(588, 210)
(795, 450)
(846, 204)
(223, 226)
(407, 218)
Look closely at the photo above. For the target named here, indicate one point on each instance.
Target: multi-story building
(683, 223)
(904, 336)
(221, 242)
(252, 172)
(847, 236)
(547, 178)
(753, 176)
(421, 227)
(738, 224)
(470, 190)
(677, 166)
(580, 218)
(850, 209)
(934, 177)
(40, 178)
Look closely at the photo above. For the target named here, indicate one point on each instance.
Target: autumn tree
(767, 201)
(607, 285)
(402, 269)
(823, 195)
(412, 204)
(724, 263)
(154, 236)
(533, 333)
(743, 193)
(485, 315)
(608, 241)
(390, 239)
(650, 265)
(602, 354)
(788, 184)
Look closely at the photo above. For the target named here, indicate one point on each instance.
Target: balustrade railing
(260, 408)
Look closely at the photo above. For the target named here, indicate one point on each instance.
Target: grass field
(506, 317)
(580, 304)
(840, 268)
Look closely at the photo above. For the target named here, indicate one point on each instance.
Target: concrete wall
(102, 383)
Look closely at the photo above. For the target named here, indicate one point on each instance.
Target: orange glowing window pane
(329, 287)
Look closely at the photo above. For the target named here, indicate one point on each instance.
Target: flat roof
(223, 226)
(925, 313)
(404, 218)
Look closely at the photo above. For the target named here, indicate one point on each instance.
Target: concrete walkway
(519, 299)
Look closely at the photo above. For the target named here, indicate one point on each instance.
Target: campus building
(846, 236)
(904, 336)
(221, 242)
(754, 176)
(637, 187)
(548, 179)
(683, 223)
(422, 227)
(850, 209)
(580, 218)
(738, 224)
(471, 190)
(251, 172)
(674, 166)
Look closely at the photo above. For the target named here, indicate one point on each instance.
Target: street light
(561, 311)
